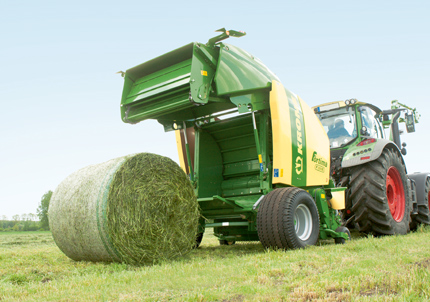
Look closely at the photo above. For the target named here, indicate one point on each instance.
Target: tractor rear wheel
(380, 195)
(288, 219)
(423, 216)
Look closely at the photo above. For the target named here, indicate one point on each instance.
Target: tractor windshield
(340, 126)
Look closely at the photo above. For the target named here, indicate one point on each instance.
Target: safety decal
(278, 172)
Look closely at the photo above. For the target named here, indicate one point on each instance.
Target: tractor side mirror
(410, 123)
(364, 131)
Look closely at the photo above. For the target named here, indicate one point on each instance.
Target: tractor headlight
(352, 101)
(347, 102)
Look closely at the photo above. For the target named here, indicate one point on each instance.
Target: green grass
(392, 268)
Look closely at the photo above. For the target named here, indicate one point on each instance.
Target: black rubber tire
(423, 216)
(199, 239)
(225, 242)
(368, 193)
(276, 219)
(343, 230)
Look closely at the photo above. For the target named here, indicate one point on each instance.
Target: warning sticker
(278, 172)
(204, 73)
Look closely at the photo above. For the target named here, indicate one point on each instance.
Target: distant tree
(17, 227)
(4, 217)
(31, 216)
(42, 210)
(24, 217)
(16, 218)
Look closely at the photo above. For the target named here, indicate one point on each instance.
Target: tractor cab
(347, 121)
(355, 132)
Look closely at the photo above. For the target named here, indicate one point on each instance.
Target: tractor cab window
(370, 125)
(340, 126)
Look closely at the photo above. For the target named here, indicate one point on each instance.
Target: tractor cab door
(370, 124)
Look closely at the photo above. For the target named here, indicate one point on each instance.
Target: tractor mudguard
(358, 155)
(420, 182)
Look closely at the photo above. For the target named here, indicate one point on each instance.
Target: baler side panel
(317, 149)
(208, 165)
(281, 132)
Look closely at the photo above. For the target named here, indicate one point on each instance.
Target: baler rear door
(158, 87)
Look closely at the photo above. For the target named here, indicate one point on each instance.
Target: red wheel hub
(395, 194)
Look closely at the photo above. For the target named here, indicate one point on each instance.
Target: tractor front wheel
(380, 195)
(288, 219)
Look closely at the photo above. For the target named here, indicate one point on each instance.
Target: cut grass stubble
(391, 268)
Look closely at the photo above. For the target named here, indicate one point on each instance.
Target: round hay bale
(134, 209)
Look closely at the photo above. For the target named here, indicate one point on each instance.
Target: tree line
(29, 222)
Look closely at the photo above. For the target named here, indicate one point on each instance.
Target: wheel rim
(395, 194)
(303, 222)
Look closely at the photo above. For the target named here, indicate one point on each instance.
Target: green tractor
(255, 153)
(381, 197)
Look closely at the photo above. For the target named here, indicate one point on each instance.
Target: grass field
(395, 268)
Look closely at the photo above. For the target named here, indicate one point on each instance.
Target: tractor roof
(338, 104)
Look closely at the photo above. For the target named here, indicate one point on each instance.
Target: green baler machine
(255, 153)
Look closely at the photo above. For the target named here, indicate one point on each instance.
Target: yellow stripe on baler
(281, 132)
(181, 149)
(317, 149)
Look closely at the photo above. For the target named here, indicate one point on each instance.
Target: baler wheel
(423, 209)
(343, 230)
(288, 219)
(380, 195)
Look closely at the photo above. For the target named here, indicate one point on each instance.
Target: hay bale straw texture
(135, 209)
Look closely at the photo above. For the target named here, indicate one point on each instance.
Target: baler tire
(343, 230)
(372, 187)
(288, 219)
(423, 216)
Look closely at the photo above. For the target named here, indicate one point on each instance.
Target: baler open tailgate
(158, 87)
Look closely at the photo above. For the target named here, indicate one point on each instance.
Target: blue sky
(60, 94)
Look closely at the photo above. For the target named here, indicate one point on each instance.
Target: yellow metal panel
(181, 149)
(281, 132)
(317, 149)
(338, 200)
